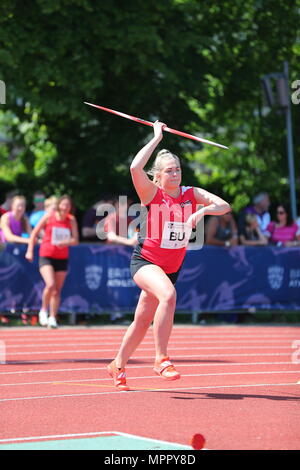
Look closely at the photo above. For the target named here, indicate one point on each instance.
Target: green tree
(194, 65)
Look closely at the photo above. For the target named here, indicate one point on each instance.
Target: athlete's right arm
(144, 187)
(10, 237)
(33, 236)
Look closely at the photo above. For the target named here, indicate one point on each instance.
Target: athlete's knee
(168, 295)
(50, 287)
(146, 309)
(55, 292)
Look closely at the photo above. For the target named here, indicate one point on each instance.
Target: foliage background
(194, 64)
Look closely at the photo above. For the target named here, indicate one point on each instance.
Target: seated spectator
(6, 205)
(39, 209)
(117, 221)
(260, 208)
(222, 230)
(283, 231)
(298, 223)
(90, 221)
(14, 225)
(251, 234)
(117, 229)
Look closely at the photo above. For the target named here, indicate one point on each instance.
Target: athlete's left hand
(62, 243)
(195, 218)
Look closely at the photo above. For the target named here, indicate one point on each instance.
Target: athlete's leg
(153, 280)
(59, 279)
(143, 317)
(48, 275)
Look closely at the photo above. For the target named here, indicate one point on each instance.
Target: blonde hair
(157, 164)
(52, 200)
(250, 218)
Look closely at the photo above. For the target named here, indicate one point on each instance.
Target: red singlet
(163, 237)
(56, 230)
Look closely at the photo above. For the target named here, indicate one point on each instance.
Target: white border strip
(89, 434)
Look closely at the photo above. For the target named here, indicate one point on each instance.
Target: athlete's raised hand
(158, 128)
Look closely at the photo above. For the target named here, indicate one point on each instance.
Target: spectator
(298, 223)
(90, 221)
(251, 234)
(6, 206)
(50, 206)
(117, 221)
(222, 231)
(260, 208)
(39, 209)
(14, 225)
(116, 227)
(60, 232)
(283, 231)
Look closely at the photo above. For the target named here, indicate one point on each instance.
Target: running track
(239, 386)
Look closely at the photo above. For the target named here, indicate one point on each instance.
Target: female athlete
(60, 232)
(172, 212)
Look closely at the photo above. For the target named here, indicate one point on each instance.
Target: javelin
(149, 123)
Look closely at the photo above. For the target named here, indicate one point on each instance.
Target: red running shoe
(119, 376)
(166, 370)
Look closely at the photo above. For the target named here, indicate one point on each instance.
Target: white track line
(197, 341)
(196, 331)
(182, 364)
(53, 336)
(76, 351)
(198, 356)
(209, 387)
(214, 374)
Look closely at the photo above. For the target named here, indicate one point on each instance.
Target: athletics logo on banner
(275, 276)
(93, 276)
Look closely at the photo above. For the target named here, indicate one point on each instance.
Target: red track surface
(238, 387)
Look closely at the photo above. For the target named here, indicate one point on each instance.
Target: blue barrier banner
(211, 279)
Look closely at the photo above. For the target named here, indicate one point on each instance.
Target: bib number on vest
(59, 234)
(175, 235)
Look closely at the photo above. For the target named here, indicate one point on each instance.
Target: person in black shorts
(60, 232)
(157, 258)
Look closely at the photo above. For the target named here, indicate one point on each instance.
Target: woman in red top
(60, 232)
(156, 261)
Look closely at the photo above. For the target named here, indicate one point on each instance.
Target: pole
(290, 149)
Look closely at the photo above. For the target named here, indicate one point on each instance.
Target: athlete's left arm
(213, 205)
(74, 240)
